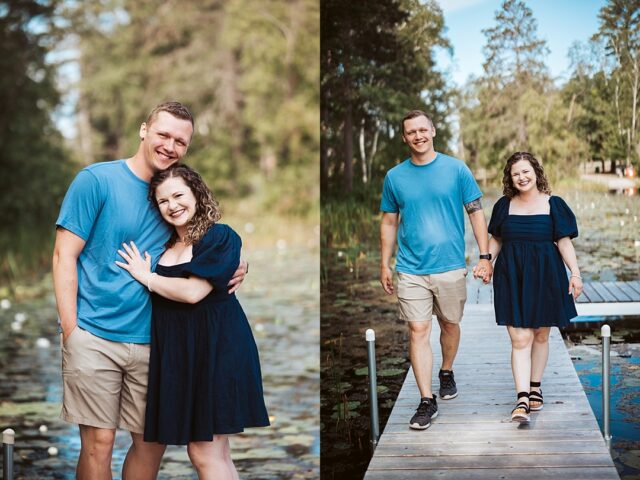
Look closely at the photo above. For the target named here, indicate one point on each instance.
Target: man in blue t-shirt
(422, 202)
(105, 315)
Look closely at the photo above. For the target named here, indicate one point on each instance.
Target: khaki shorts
(441, 294)
(105, 382)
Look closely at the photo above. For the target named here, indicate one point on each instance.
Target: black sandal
(536, 397)
(516, 413)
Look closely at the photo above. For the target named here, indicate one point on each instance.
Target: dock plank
(593, 296)
(616, 291)
(633, 295)
(473, 437)
(606, 295)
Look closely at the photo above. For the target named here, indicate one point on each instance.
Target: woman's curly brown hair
(508, 189)
(207, 207)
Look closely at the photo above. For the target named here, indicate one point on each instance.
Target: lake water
(280, 297)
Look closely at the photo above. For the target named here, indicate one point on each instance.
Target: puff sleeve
(564, 221)
(498, 215)
(216, 256)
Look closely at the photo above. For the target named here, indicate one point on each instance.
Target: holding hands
(483, 270)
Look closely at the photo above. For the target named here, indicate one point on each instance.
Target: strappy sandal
(521, 412)
(536, 397)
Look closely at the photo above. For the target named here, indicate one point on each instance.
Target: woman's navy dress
(530, 283)
(204, 371)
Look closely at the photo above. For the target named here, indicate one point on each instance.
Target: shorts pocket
(74, 333)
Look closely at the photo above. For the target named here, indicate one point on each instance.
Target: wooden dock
(473, 437)
(597, 299)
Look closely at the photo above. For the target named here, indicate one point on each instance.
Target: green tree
(515, 105)
(620, 30)
(592, 115)
(244, 67)
(31, 149)
(377, 62)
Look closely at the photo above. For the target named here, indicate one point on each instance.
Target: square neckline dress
(530, 282)
(204, 369)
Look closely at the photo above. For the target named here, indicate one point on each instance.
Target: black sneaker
(448, 388)
(427, 410)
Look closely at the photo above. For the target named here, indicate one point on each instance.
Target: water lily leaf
(390, 372)
(339, 415)
(393, 361)
(341, 387)
(350, 406)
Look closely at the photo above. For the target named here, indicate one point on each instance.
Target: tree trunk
(84, 131)
(363, 153)
(348, 147)
(571, 105)
(324, 147)
(373, 151)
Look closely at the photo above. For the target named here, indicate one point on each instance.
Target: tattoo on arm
(474, 206)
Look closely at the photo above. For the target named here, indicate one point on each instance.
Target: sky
(560, 23)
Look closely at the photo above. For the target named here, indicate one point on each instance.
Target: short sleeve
(81, 205)
(564, 221)
(216, 256)
(388, 203)
(498, 215)
(470, 189)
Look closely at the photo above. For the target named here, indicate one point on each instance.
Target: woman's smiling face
(176, 201)
(523, 176)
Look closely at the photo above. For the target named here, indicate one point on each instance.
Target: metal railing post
(606, 386)
(373, 388)
(8, 439)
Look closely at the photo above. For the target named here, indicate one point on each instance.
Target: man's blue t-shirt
(430, 199)
(106, 205)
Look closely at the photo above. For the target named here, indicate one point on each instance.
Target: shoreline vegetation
(258, 230)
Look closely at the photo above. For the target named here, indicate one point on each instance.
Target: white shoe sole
(449, 397)
(520, 418)
(416, 426)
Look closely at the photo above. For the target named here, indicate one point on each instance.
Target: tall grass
(349, 229)
(24, 256)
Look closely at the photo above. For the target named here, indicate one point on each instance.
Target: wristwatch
(486, 256)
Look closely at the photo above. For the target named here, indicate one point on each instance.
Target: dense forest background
(378, 61)
(248, 70)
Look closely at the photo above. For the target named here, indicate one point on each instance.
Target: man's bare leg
(95, 453)
(143, 459)
(421, 355)
(449, 342)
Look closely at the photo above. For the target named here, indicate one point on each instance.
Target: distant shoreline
(613, 182)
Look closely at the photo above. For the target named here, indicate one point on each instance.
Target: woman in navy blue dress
(204, 372)
(531, 233)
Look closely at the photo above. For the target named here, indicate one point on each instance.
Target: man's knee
(449, 328)
(97, 442)
(419, 330)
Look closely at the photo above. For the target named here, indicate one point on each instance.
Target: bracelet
(577, 276)
(149, 282)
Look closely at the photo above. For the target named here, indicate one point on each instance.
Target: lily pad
(390, 372)
(393, 361)
(350, 406)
